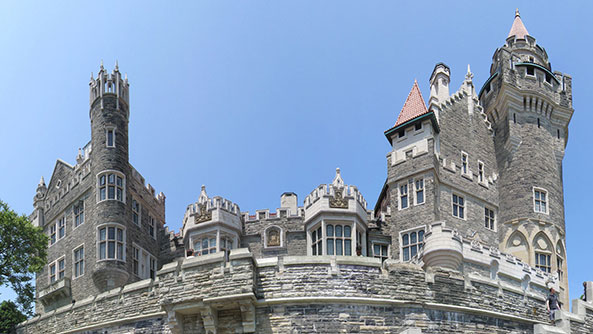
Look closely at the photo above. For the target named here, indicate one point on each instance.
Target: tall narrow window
(412, 242)
(79, 261)
(316, 242)
(540, 201)
(52, 272)
(61, 228)
(135, 260)
(480, 172)
(78, 213)
(489, 219)
(419, 191)
(464, 159)
(152, 267)
(151, 227)
(61, 268)
(111, 186)
(458, 206)
(52, 234)
(111, 243)
(559, 265)
(110, 137)
(135, 212)
(403, 196)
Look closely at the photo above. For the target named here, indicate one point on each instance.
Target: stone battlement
(106, 83)
(202, 291)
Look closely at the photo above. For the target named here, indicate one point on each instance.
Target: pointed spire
(469, 75)
(413, 107)
(518, 29)
(41, 182)
(101, 64)
(92, 78)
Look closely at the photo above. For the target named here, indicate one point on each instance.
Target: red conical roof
(413, 107)
(518, 29)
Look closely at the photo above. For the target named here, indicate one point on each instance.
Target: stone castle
(467, 234)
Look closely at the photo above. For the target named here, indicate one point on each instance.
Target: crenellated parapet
(335, 197)
(211, 225)
(109, 84)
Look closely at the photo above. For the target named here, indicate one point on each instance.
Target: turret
(530, 108)
(109, 114)
(37, 218)
(439, 87)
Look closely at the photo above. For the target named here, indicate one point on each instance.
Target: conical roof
(518, 29)
(413, 107)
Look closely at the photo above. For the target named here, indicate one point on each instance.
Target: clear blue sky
(255, 98)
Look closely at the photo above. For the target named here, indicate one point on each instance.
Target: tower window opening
(403, 196)
(402, 133)
(515, 118)
(110, 140)
(524, 103)
(538, 124)
(558, 133)
(548, 78)
(418, 126)
(489, 218)
(464, 166)
(540, 200)
(542, 261)
(530, 71)
(531, 59)
(480, 172)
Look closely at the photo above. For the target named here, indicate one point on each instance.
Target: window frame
(143, 260)
(53, 233)
(481, 172)
(152, 226)
(546, 201)
(104, 184)
(53, 264)
(381, 256)
(107, 240)
(402, 195)
(81, 262)
(548, 256)
(78, 215)
(211, 235)
(461, 214)
(136, 212)
(336, 240)
(61, 228)
(489, 219)
(465, 163)
(416, 191)
(419, 244)
(109, 129)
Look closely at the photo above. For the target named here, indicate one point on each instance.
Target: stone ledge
(202, 260)
(297, 260)
(116, 322)
(167, 268)
(266, 262)
(359, 261)
(240, 253)
(146, 283)
(396, 302)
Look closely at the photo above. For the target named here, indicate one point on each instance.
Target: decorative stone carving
(204, 215)
(273, 237)
(338, 201)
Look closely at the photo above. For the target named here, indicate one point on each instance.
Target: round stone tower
(109, 114)
(530, 107)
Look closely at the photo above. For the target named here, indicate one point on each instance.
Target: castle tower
(530, 108)
(109, 114)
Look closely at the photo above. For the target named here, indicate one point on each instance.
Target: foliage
(10, 316)
(23, 252)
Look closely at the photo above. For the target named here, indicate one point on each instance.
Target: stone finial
(203, 196)
(41, 182)
(102, 64)
(469, 75)
(517, 13)
(116, 66)
(79, 157)
(92, 77)
(126, 77)
(338, 181)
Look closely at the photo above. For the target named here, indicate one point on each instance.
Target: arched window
(560, 260)
(111, 185)
(543, 253)
(111, 240)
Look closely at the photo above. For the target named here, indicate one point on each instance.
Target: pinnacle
(518, 28)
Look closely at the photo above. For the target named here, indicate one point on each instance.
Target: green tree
(23, 252)
(10, 316)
